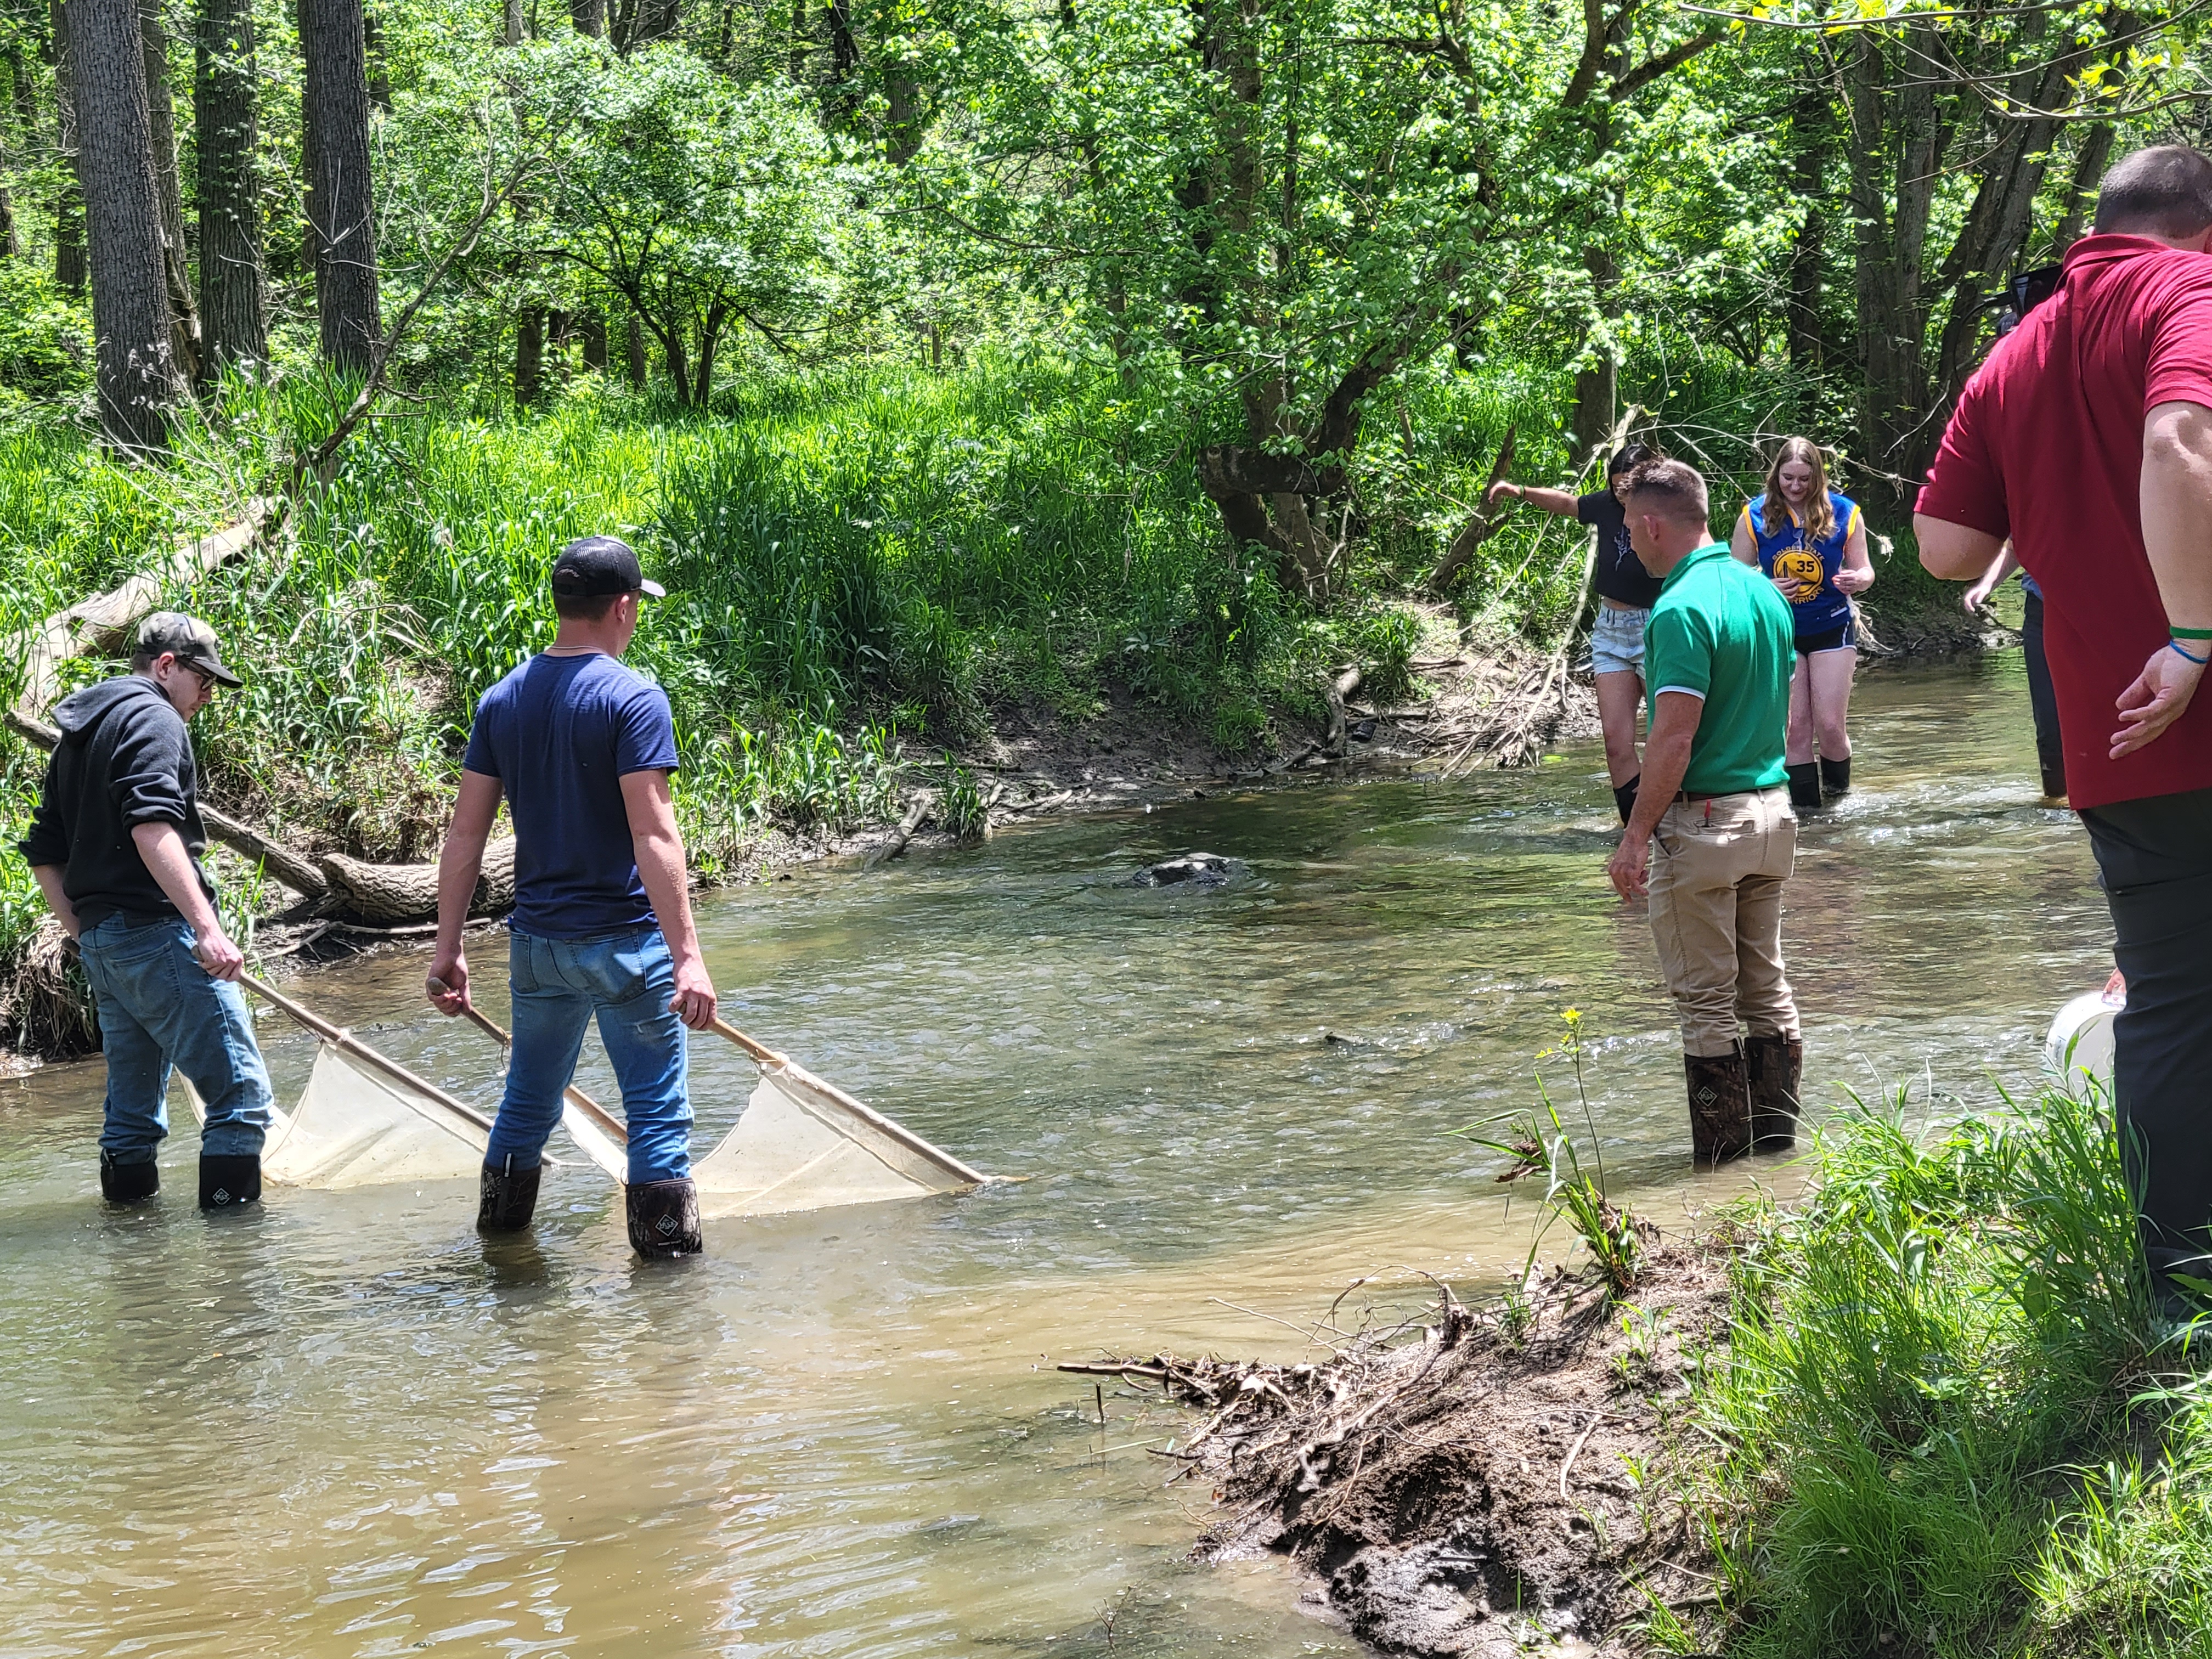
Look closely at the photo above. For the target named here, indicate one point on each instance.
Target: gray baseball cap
(187, 639)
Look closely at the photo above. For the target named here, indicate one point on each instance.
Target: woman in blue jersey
(1812, 542)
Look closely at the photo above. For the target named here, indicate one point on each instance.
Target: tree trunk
(590, 17)
(592, 325)
(1807, 179)
(633, 353)
(801, 46)
(341, 214)
(136, 366)
(10, 244)
(709, 336)
(656, 20)
(162, 123)
(391, 895)
(511, 30)
(225, 106)
(379, 68)
(529, 355)
(679, 371)
(69, 195)
(27, 97)
(2081, 195)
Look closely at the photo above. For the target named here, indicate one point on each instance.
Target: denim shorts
(1617, 640)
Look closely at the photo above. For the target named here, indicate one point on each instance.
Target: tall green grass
(1947, 1423)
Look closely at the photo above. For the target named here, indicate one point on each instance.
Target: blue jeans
(628, 980)
(159, 1008)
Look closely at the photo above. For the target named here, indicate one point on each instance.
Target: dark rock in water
(1194, 869)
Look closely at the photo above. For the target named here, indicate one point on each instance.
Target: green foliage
(1919, 1356)
(46, 340)
(962, 811)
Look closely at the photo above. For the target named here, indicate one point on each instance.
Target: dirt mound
(1479, 1480)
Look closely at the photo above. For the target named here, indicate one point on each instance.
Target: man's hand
(1501, 487)
(694, 1001)
(1629, 865)
(1976, 596)
(447, 984)
(2158, 697)
(222, 959)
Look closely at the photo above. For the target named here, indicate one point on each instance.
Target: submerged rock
(1195, 869)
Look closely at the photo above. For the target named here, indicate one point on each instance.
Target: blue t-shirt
(1808, 564)
(560, 734)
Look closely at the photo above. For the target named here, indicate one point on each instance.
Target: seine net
(797, 1145)
(355, 1126)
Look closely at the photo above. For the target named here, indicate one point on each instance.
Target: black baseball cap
(592, 567)
(189, 640)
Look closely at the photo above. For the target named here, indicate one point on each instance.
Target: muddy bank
(1482, 1479)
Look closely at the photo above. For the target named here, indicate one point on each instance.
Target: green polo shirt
(1722, 629)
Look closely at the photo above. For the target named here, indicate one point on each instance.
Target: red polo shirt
(2046, 446)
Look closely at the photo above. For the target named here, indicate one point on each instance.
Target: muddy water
(343, 1426)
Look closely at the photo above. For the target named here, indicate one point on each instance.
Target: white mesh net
(797, 1146)
(355, 1126)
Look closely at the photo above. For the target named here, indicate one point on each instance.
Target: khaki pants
(1717, 868)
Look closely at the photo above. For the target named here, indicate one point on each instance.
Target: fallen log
(392, 895)
(916, 811)
(1339, 688)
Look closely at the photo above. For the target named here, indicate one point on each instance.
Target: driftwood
(100, 622)
(1340, 686)
(917, 812)
(388, 895)
(1480, 527)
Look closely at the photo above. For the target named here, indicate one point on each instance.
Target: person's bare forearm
(1564, 503)
(661, 867)
(2177, 510)
(1666, 763)
(461, 861)
(50, 877)
(163, 851)
(1955, 552)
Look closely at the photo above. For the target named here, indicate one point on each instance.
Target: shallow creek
(344, 1425)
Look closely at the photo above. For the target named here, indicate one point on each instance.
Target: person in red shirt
(2086, 438)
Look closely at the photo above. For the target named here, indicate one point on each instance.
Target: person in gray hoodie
(116, 846)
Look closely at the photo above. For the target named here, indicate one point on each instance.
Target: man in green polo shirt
(1712, 835)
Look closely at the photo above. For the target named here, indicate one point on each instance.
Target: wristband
(2189, 632)
(2174, 646)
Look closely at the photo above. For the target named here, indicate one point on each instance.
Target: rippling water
(344, 1425)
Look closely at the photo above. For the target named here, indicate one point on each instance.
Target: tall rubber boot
(1775, 1065)
(663, 1218)
(506, 1196)
(1720, 1106)
(1805, 785)
(1836, 775)
(229, 1182)
(1625, 796)
(128, 1183)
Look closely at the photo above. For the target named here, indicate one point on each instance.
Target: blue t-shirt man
(581, 750)
(560, 734)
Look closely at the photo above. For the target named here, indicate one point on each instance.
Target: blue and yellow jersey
(1808, 569)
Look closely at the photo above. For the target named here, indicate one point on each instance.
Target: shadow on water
(344, 1424)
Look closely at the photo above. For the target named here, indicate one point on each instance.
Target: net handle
(346, 1043)
(914, 1143)
(582, 1101)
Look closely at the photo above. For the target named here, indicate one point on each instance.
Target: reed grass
(1950, 1423)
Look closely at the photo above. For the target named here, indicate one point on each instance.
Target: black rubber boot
(1720, 1106)
(1836, 775)
(229, 1183)
(1625, 796)
(1805, 785)
(663, 1218)
(128, 1183)
(507, 1197)
(1775, 1064)
(2054, 783)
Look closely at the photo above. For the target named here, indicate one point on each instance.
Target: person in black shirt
(1626, 594)
(116, 845)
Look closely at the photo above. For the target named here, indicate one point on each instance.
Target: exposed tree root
(1474, 1479)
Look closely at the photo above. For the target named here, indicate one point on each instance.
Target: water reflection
(345, 1425)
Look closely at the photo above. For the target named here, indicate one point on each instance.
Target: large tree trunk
(10, 244)
(1803, 320)
(162, 124)
(341, 210)
(225, 105)
(2081, 193)
(590, 17)
(136, 364)
(633, 353)
(69, 196)
(592, 325)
